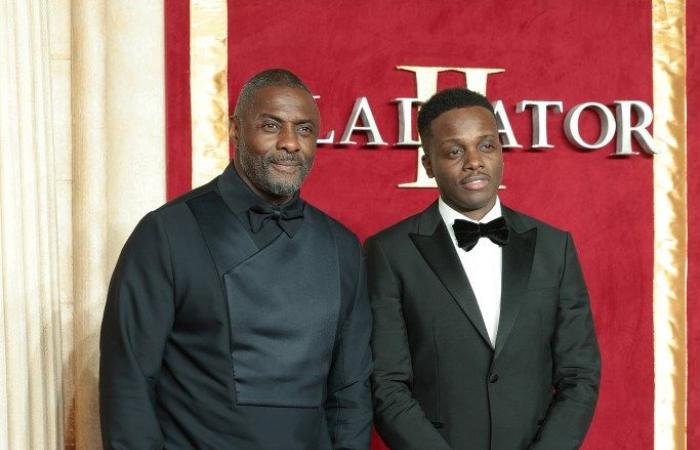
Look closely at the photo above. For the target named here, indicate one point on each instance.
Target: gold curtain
(208, 88)
(670, 225)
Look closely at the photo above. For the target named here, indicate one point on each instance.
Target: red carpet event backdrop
(575, 86)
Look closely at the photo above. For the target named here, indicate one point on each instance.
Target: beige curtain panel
(81, 118)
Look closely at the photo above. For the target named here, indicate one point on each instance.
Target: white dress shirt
(482, 265)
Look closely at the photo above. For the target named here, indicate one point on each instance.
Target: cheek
(309, 143)
(261, 144)
(309, 148)
(450, 171)
(496, 166)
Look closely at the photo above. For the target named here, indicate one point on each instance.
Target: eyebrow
(483, 136)
(279, 119)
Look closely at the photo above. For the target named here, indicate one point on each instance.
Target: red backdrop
(550, 50)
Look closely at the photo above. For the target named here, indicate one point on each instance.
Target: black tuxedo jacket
(438, 384)
(202, 349)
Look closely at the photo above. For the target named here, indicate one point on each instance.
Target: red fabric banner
(178, 136)
(549, 50)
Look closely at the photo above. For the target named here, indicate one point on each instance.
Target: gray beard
(260, 172)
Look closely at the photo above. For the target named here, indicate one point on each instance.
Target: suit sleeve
(349, 404)
(137, 320)
(576, 363)
(399, 418)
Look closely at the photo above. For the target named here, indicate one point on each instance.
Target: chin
(283, 187)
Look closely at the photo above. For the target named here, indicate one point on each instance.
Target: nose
(472, 159)
(288, 140)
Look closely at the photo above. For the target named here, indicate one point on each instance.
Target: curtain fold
(118, 165)
(82, 153)
(670, 226)
(30, 322)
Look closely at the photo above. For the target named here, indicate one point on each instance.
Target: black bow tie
(288, 219)
(468, 233)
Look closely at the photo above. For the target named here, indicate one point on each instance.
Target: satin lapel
(439, 253)
(517, 263)
(228, 241)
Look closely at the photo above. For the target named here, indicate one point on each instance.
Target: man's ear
(234, 129)
(427, 164)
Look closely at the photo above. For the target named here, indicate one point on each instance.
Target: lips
(288, 166)
(475, 182)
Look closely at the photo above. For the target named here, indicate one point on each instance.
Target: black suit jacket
(169, 377)
(438, 384)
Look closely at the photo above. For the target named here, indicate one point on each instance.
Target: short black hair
(447, 100)
(270, 77)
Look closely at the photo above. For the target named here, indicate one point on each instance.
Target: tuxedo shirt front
(482, 265)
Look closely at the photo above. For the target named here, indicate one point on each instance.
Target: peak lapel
(228, 241)
(517, 263)
(440, 255)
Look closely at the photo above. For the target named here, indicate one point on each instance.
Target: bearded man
(237, 316)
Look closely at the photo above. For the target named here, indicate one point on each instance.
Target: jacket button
(493, 378)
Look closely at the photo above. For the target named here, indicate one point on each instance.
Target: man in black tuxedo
(483, 337)
(237, 316)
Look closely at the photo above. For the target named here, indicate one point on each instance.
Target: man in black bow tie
(483, 337)
(237, 316)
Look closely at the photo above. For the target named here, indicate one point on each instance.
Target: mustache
(286, 157)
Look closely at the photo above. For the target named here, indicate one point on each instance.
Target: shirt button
(493, 378)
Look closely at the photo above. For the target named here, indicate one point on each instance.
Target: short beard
(260, 172)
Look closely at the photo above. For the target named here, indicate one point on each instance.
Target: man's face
(464, 155)
(275, 138)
